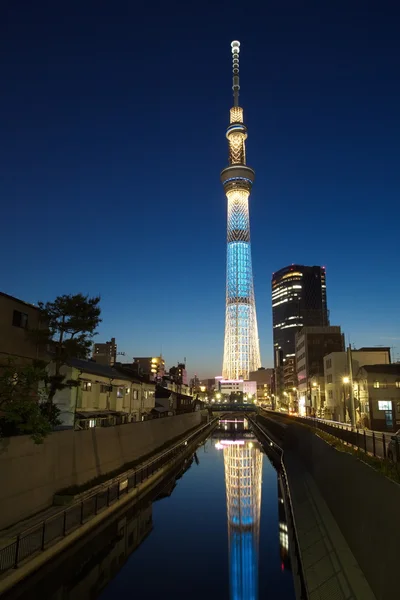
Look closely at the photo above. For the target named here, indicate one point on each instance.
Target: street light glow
(346, 380)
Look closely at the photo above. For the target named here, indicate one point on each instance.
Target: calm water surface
(214, 528)
(221, 533)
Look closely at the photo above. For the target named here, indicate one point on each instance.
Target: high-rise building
(298, 300)
(312, 345)
(241, 346)
(105, 354)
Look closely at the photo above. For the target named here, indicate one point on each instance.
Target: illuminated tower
(241, 347)
(243, 478)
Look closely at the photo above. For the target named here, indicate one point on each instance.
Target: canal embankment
(32, 474)
(90, 513)
(346, 514)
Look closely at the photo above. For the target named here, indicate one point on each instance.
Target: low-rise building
(262, 377)
(16, 319)
(102, 396)
(377, 392)
(337, 378)
(152, 367)
(312, 344)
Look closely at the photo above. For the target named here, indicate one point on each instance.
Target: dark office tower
(298, 300)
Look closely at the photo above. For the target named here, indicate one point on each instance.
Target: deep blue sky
(113, 118)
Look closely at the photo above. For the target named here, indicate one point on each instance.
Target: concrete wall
(31, 474)
(364, 504)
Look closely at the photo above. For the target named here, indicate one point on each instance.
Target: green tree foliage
(24, 402)
(68, 326)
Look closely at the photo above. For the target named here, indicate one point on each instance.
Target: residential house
(377, 391)
(102, 396)
(16, 319)
(337, 377)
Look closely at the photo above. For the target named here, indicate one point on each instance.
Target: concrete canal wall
(31, 474)
(364, 503)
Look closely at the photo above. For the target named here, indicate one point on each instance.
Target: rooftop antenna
(235, 45)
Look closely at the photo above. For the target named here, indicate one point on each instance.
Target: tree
(68, 326)
(23, 401)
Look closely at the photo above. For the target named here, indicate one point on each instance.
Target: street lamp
(218, 396)
(345, 380)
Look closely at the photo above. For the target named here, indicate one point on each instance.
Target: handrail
(272, 443)
(36, 538)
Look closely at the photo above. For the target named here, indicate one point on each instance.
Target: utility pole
(350, 365)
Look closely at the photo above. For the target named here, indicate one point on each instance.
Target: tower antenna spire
(235, 45)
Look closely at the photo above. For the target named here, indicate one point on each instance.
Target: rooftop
(391, 369)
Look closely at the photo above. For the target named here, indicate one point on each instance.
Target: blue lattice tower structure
(243, 479)
(241, 346)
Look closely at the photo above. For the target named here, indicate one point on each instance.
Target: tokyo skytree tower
(241, 347)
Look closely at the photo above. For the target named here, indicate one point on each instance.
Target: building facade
(377, 389)
(262, 377)
(103, 396)
(298, 300)
(312, 345)
(17, 318)
(337, 378)
(105, 354)
(153, 367)
(241, 344)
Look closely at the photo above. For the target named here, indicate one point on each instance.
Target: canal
(214, 528)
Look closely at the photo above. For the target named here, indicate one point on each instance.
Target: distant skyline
(113, 120)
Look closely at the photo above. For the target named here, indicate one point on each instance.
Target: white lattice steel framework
(241, 347)
(243, 478)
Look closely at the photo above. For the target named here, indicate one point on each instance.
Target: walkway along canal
(213, 527)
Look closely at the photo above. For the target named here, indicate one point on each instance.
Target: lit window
(398, 383)
(376, 384)
(120, 392)
(92, 422)
(384, 384)
(87, 387)
(384, 405)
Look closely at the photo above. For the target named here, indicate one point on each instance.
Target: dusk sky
(113, 119)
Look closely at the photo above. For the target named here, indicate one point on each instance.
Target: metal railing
(378, 444)
(39, 537)
(297, 567)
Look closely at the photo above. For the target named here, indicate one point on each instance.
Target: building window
(87, 387)
(398, 408)
(329, 379)
(384, 405)
(20, 319)
(120, 392)
(135, 394)
(330, 394)
(376, 384)
(384, 384)
(92, 422)
(329, 363)
(105, 388)
(398, 383)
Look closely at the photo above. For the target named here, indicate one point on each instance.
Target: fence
(378, 444)
(297, 565)
(40, 536)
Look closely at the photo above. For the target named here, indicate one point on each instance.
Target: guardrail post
(65, 524)
(373, 443)
(384, 445)
(43, 534)
(17, 544)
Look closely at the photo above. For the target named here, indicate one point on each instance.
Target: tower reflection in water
(243, 478)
